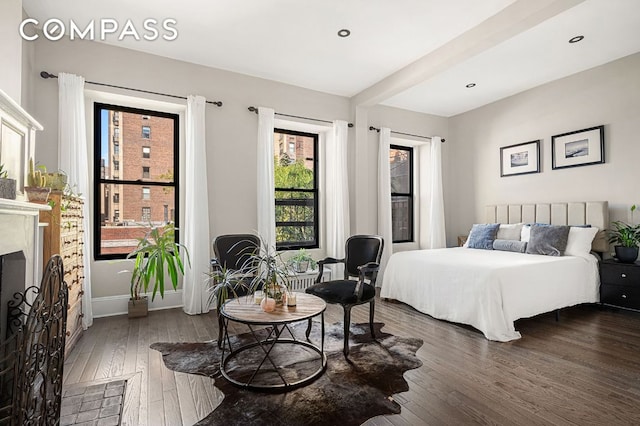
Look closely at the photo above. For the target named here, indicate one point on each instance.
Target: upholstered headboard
(594, 213)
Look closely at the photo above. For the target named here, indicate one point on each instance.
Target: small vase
(275, 291)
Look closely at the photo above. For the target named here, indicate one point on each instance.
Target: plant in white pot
(626, 238)
(302, 261)
(156, 255)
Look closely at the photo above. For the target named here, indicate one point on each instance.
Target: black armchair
(233, 253)
(362, 260)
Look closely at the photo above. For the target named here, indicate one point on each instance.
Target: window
(296, 190)
(146, 132)
(120, 184)
(146, 152)
(401, 168)
(116, 148)
(116, 134)
(146, 214)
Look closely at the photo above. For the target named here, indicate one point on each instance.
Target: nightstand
(620, 284)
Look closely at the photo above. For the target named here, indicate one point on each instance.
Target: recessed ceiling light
(344, 33)
(470, 85)
(576, 39)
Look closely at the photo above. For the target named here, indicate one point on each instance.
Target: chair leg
(308, 332)
(347, 323)
(372, 308)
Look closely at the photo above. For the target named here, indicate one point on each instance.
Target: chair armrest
(215, 265)
(326, 261)
(369, 270)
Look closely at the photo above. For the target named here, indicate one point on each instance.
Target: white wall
(231, 130)
(608, 95)
(11, 48)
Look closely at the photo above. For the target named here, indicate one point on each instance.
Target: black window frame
(98, 179)
(316, 217)
(409, 195)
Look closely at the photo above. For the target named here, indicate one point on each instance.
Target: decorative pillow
(510, 245)
(482, 236)
(509, 231)
(525, 233)
(579, 241)
(549, 240)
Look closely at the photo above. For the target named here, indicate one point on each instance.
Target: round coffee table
(244, 311)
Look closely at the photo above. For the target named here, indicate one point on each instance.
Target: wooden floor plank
(584, 369)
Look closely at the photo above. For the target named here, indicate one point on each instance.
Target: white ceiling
(412, 54)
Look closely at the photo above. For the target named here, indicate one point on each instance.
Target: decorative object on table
(7, 186)
(520, 159)
(37, 191)
(578, 148)
(362, 260)
(156, 254)
(292, 299)
(269, 271)
(363, 391)
(626, 238)
(302, 261)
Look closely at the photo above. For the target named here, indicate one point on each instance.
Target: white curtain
(432, 227)
(196, 218)
(337, 183)
(73, 159)
(266, 197)
(384, 199)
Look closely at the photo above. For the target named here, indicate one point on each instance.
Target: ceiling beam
(516, 18)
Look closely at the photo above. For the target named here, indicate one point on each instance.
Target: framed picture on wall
(520, 159)
(579, 148)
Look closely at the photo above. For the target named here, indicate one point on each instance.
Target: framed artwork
(13, 153)
(579, 148)
(520, 159)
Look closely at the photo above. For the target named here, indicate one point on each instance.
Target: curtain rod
(46, 75)
(404, 134)
(254, 109)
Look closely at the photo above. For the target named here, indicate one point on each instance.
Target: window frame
(315, 190)
(409, 195)
(99, 180)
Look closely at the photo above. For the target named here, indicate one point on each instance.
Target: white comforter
(489, 289)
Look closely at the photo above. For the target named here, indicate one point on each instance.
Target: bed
(490, 289)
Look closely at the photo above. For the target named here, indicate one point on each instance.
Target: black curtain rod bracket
(46, 75)
(254, 109)
(404, 134)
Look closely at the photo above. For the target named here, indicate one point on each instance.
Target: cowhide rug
(348, 393)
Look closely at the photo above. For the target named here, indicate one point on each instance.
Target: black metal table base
(267, 345)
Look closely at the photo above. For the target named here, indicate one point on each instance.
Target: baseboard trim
(117, 305)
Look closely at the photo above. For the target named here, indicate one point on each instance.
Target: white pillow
(525, 233)
(509, 231)
(579, 242)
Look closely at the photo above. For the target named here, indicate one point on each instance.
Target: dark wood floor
(582, 370)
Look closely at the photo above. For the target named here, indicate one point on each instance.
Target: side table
(620, 284)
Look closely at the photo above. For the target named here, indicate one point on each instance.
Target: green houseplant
(156, 254)
(37, 191)
(626, 238)
(269, 271)
(302, 261)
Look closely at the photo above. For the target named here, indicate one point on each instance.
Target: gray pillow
(549, 240)
(510, 245)
(482, 235)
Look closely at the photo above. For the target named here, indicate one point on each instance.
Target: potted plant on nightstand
(37, 192)
(626, 239)
(157, 254)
